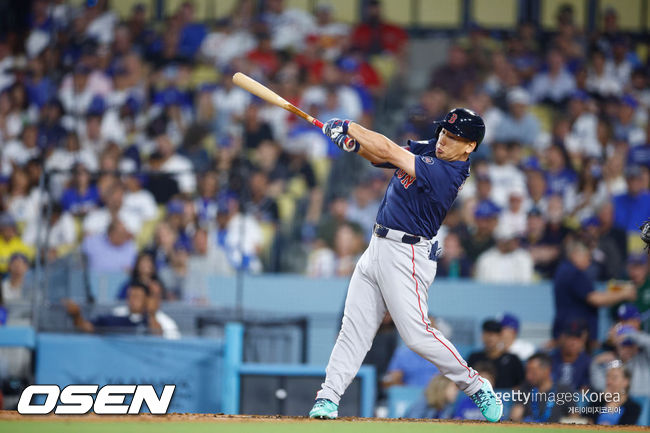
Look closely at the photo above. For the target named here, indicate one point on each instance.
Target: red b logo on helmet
(453, 118)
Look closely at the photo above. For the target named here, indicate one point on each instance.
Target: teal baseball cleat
(488, 402)
(324, 409)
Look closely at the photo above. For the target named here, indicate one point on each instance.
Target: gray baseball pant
(393, 276)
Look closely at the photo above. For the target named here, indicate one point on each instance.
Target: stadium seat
(439, 13)
(105, 286)
(549, 9)
(644, 418)
(400, 398)
(286, 208)
(486, 15)
(321, 167)
(398, 11)
(629, 18)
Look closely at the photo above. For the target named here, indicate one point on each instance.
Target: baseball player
(398, 267)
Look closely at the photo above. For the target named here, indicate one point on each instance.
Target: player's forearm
(373, 144)
(363, 152)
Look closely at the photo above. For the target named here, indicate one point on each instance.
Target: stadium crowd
(158, 166)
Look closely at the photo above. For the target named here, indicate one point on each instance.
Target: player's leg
(364, 311)
(404, 279)
(405, 274)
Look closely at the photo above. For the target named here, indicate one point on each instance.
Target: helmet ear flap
(437, 133)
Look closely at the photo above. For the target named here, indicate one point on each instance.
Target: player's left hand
(335, 127)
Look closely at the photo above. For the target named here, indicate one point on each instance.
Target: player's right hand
(336, 130)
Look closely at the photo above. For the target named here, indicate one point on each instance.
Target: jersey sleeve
(417, 147)
(430, 174)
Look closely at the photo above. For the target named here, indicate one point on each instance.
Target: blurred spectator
(543, 248)
(231, 40)
(559, 177)
(175, 164)
(20, 204)
(625, 125)
(264, 56)
(238, 235)
(141, 314)
(619, 408)
(505, 176)
(437, 402)
(509, 369)
(482, 238)
(511, 341)
(144, 271)
(633, 207)
(19, 151)
(81, 197)
(288, 27)
(255, 129)
(331, 35)
(570, 359)
(191, 32)
(137, 200)
(632, 348)
(163, 245)
(376, 36)
(58, 238)
(575, 295)
(540, 383)
(583, 137)
(637, 270)
(519, 124)
(16, 286)
(206, 202)
(514, 216)
(363, 206)
(174, 276)
(453, 263)
(555, 84)
(536, 190)
(339, 260)
(69, 158)
(590, 193)
(112, 251)
(455, 74)
(10, 242)
(505, 262)
(601, 78)
(206, 259)
(98, 220)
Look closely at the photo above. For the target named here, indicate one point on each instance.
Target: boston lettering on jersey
(418, 205)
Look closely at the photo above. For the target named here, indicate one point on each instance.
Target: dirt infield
(362, 423)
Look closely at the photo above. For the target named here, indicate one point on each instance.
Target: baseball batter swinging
(399, 265)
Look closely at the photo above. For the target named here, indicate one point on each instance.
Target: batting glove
(333, 127)
(336, 130)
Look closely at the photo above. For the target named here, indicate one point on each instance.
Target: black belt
(382, 232)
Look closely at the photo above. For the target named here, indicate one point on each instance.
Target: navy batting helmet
(463, 123)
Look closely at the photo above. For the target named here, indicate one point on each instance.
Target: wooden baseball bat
(261, 91)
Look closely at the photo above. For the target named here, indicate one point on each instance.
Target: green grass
(268, 427)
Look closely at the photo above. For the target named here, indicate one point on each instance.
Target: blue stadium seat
(400, 398)
(644, 418)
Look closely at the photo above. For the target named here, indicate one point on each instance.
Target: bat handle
(318, 123)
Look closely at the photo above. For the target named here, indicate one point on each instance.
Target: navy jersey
(419, 205)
